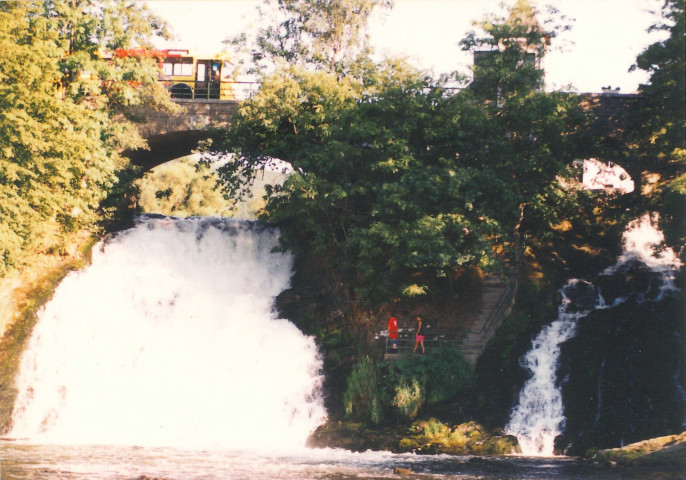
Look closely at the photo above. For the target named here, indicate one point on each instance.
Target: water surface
(22, 461)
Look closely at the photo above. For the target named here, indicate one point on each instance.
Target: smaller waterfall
(539, 417)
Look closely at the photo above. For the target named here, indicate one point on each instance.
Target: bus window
(200, 74)
(178, 66)
(214, 71)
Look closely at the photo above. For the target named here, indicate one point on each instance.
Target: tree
(508, 58)
(658, 145)
(60, 143)
(329, 35)
(398, 184)
(374, 191)
(533, 136)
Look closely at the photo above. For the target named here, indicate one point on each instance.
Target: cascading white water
(169, 338)
(539, 416)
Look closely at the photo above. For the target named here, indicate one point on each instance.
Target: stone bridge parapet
(198, 114)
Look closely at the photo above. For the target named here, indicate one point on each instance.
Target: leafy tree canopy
(396, 181)
(659, 143)
(59, 98)
(329, 35)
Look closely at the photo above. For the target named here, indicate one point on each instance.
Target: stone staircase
(497, 298)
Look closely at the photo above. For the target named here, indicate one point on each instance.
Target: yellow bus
(188, 75)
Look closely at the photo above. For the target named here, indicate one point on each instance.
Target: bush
(363, 395)
(446, 373)
(409, 397)
(431, 378)
(407, 384)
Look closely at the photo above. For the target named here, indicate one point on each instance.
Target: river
(22, 461)
(164, 358)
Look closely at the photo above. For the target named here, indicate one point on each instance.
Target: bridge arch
(171, 136)
(174, 136)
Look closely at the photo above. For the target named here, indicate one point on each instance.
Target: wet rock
(622, 376)
(583, 296)
(402, 471)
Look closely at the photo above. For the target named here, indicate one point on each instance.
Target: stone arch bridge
(173, 136)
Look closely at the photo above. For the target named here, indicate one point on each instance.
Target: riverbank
(661, 458)
(429, 437)
(668, 452)
(22, 294)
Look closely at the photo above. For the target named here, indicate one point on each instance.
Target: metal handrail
(436, 338)
(432, 339)
(242, 90)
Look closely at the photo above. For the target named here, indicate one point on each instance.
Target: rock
(402, 471)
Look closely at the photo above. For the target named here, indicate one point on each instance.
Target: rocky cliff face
(623, 374)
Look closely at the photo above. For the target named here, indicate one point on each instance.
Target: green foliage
(397, 184)
(447, 373)
(663, 130)
(182, 188)
(330, 35)
(508, 55)
(441, 374)
(658, 143)
(409, 397)
(406, 384)
(363, 395)
(60, 144)
(185, 188)
(468, 438)
(673, 211)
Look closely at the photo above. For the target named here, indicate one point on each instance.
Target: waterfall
(169, 338)
(539, 416)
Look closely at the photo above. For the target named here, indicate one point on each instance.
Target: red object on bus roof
(148, 52)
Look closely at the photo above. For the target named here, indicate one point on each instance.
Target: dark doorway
(208, 79)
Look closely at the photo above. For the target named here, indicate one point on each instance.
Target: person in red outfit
(419, 336)
(393, 332)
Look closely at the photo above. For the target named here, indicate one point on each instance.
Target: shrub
(363, 395)
(434, 377)
(446, 373)
(409, 397)
(435, 429)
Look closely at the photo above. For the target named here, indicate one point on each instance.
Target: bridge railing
(222, 90)
(245, 90)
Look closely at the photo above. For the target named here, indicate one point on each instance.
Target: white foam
(169, 338)
(539, 416)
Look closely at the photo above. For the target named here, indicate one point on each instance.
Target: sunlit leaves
(59, 95)
(398, 184)
(659, 141)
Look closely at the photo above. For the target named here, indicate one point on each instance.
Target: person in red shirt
(393, 332)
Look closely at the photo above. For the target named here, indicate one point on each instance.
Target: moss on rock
(428, 436)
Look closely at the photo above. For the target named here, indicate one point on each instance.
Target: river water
(164, 358)
(53, 462)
